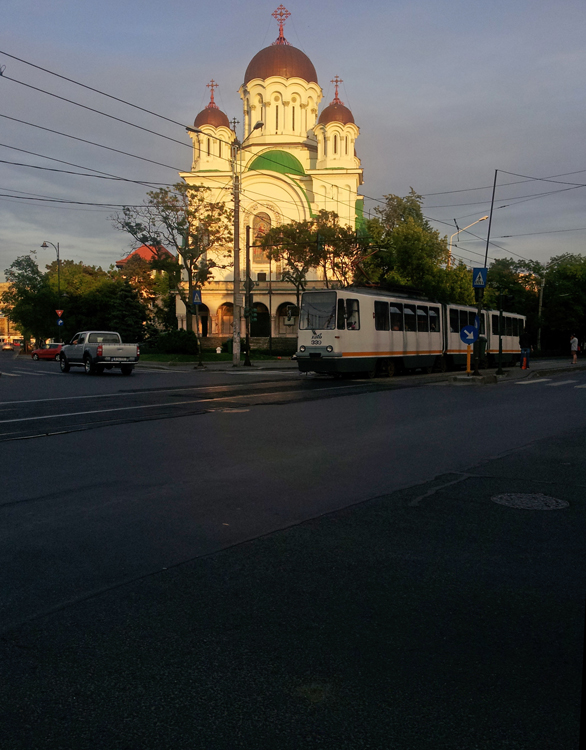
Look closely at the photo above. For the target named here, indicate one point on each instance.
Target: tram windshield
(318, 311)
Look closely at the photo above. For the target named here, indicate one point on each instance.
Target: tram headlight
(301, 348)
(329, 348)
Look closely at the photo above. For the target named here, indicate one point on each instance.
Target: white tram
(356, 330)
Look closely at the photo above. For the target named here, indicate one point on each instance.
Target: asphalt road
(217, 560)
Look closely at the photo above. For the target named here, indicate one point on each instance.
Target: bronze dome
(336, 113)
(211, 116)
(281, 60)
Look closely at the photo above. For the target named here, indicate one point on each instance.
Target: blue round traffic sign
(469, 334)
(60, 322)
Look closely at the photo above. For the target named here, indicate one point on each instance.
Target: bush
(174, 342)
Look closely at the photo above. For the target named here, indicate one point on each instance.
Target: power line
(97, 111)
(81, 174)
(90, 88)
(91, 143)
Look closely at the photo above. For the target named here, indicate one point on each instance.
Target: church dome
(336, 111)
(212, 114)
(281, 60)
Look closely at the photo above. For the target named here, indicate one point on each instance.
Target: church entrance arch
(225, 319)
(287, 319)
(204, 319)
(261, 327)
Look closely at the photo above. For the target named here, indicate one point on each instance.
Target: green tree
(412, 254)
(31, 300)
(184, 220)
(75, 278)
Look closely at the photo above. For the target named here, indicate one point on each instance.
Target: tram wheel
(386, 368)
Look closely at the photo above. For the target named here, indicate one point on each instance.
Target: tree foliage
(30, 300)
(411, 254)
(184, 220)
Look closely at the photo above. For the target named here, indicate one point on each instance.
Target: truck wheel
(64, 364)
(89, 366)
(126, 369)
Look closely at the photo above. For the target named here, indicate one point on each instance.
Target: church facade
(298, 162)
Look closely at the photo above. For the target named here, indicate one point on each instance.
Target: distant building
(8, 331)
(299, 163)
(146, 253)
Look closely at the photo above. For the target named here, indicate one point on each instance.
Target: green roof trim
(360, 220)
(278, 161)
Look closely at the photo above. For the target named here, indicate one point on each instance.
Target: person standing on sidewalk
(574, 348)
(525, 344)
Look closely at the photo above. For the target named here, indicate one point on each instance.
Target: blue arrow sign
(479, 277)
(469, 334)
(196, 297)
(60, 322)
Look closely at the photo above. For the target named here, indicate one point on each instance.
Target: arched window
(276, 117)
(293, 119)
(335, 144)
(261, 224)
(220, 149)
(209, 146)
(346, 145)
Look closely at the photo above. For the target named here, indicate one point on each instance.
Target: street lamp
(56, 247)
(235, 148)
(458, 232)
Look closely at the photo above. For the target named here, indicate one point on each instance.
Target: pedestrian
(525, 344)
(574, 348)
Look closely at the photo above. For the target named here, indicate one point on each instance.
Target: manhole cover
(530, 502)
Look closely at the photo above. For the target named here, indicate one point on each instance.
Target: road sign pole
(468, 358)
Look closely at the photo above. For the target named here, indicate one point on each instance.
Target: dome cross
(336, 80)
(281, 14)
(212, 85)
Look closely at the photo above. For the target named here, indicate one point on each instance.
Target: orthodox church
(292, 163)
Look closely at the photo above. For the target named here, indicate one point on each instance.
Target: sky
(445, 93)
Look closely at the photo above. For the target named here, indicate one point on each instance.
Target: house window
(335, 144)
(261, 276)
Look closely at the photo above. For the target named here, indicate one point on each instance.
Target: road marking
(160, 405)
(580, 386)
(529, 382)
(26, 372)
(9, 374)
(562, 382)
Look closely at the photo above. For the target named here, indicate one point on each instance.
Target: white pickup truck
(97, 351)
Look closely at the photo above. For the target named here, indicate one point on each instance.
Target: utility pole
(539, 313)
(248, 300)
(237, 301)
(481, 291)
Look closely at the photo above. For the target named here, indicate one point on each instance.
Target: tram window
(434, 324)
(471, 318)
(508, 326)
(483, 325)
(463, 319)
(454, 324)
(410, 324)
(318, 311)
(381, 316)
(353, 315)
(422, 319)
(396, 316)
(341, 315)
(495, 325)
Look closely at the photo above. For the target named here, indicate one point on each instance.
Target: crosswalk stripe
(529, 382)
(562, 382)
(580, 386)
(9, 374)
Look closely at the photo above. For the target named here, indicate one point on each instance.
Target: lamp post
(458, 232)
(541, 287)
(235, 148)
(56, 247)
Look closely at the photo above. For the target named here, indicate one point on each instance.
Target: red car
(51, 351)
